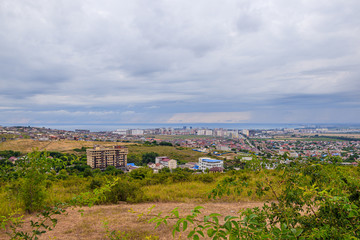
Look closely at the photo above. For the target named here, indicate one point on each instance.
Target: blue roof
(131, 164)
(211, 160)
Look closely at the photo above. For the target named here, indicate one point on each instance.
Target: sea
(255, 126)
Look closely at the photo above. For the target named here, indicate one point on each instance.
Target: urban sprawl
(224, 147)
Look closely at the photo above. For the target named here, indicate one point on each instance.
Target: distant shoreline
(113, 127)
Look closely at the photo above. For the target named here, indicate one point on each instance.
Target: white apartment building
(136, 132)
(121, 132)
(204, 132)
(208, 163)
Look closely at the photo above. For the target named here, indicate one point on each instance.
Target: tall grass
(57, 191)
(178, 192)
(195, 188)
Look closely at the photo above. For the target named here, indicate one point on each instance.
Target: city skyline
(90, 62)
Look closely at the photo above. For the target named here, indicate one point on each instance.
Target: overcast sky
(176, 61)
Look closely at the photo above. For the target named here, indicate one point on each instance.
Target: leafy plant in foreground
(33, 171)
(316, 201)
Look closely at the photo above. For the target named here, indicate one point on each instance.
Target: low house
(131, 166)
(166, 162)
(155, 166)
(13, 159)
(190, 165)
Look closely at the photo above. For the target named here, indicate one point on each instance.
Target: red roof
(216, 169)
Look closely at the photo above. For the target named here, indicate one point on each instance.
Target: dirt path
(90, 226)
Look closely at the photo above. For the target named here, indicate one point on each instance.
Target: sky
(176, 61)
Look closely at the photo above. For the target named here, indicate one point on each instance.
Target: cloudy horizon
(161, 61)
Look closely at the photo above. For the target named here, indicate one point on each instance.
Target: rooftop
(211, 160)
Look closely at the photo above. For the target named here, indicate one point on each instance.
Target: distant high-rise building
(246, 132)
(121, 131)
(233, 134)
(136, 132)
(102, 157)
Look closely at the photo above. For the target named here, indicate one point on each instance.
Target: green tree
(111, 170)
(149, 157)
(88, 172)
(165, 144)
(33, 170)
(140, 173)
(134, 158)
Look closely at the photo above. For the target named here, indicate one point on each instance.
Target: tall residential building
(233, 134)
(102, 157)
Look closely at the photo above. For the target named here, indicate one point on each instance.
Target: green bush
(124, 190)
(95, 183)
(33, 170)
(88, 172)
(141, 173)
(315, 201)
(205, 178)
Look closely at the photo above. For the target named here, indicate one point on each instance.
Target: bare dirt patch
(74, 226)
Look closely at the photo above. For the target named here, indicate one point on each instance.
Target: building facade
(102, 157)
(208, 163)
(166, 162)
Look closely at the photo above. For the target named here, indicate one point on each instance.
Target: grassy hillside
(178, 153)
(28, 145)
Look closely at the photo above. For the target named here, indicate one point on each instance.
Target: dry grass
(28, 145)
(183, 154)
(90, 226)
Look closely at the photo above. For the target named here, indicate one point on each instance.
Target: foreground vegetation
(313, 199)
(316, 201)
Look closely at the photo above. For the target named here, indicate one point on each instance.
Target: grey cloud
(180, 56)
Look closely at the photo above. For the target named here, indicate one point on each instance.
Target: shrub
(205, 178)
(124, 190)
(88, 172)
(95, 184)
(140, 173)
